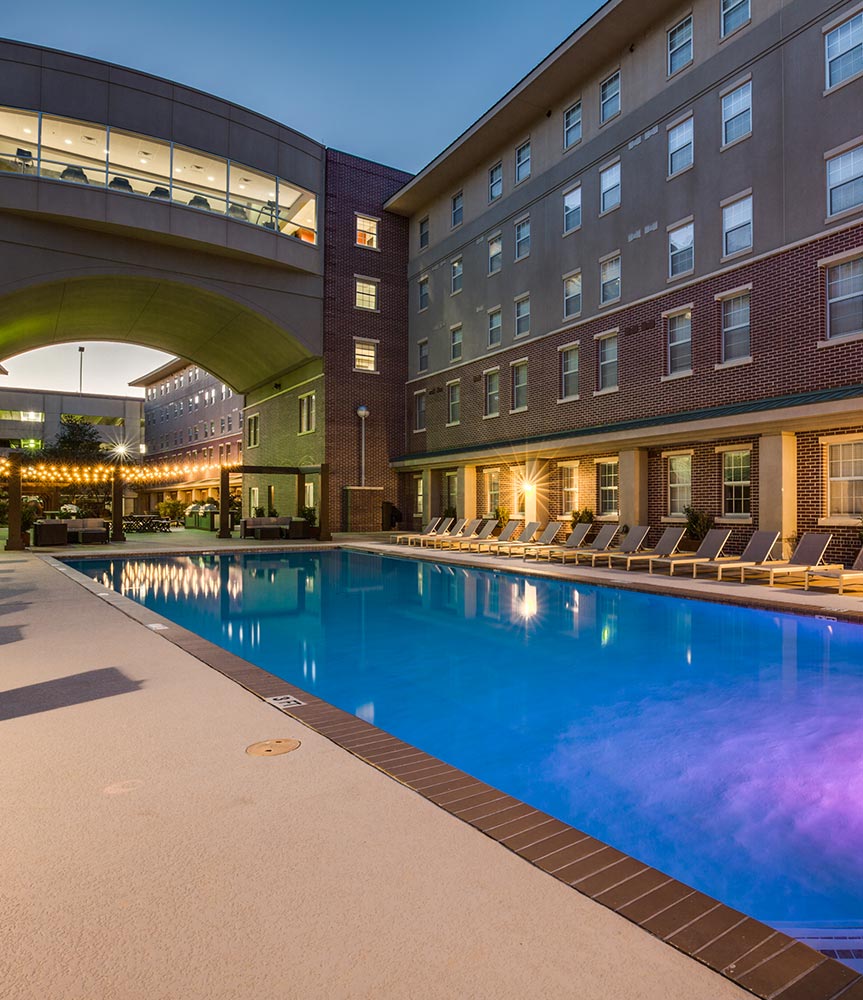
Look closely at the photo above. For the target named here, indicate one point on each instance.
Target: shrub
(502, 515)
(582, 516)
(698, 523)
(309, 515)
(171, 510)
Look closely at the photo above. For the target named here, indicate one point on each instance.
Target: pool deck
(146, 855)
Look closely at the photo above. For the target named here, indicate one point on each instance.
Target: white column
(632, 484)
(777, 486)
(467, 491)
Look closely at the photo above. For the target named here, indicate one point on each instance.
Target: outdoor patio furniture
(844, 577)
(87, 530)
(806, 556)
(605, 536)
(544, 542)
(527, 535)
(50, 533)
(427, 530)
(666, 546)
(756, 552)
(709, 549)
(267, 532)
(249, 524)
(444, 528)
(573, 540)
(509, 529)
(485, 531)
(468, 529)
(629, 546)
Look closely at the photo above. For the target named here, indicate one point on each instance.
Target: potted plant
(310, 516)
(698, 523)
(31, 511)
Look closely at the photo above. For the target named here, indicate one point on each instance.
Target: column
(224, 502)
(117, 484)
(777, 487)
(324, 503)
(467, 491)
(536, 491)
(632, 486)
(14, 542)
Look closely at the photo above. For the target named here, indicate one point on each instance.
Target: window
(737, 113)
(569, 373)
(420, 411)
(735, 13)
(307, 413)
(845, 479)
(455, 343)
(845, 181)
(423, 356)
(492, 394)
(522, 162)
(522, 317)
(423, 293)
(572, 125)
(680, 147)
(365, 355)
(735, 328)
(424, 233)
(735, 483)
(491, 483)
(366, 294)
(737, 227)
(680, 46)
(494, 327)
(681, 250)
(609, 280)
(679, 484)
(367, 232)
(253, 498)
(680, 343)
(253, 430)
(519, 385)
(572, 295)
(609, 185)
(845, 299)
(456, 270)
(419, 495)
(607, 479)
(609, 98)
(607, 360)
(453, 396)
(495, 253)
(572, 209)
(522, 239)
(569, 486)
(843, 51)
(457, 209)
(495, 182)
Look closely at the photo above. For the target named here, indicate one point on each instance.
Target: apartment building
(636, 283)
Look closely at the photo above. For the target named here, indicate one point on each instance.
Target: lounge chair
(629, 546)
(573, 540)
(757, 551)
(427, 530)
(708, 551)
(605, 536)
(545, 541)
(806, 556)
(484, 532)
(666, 546)
(852, 576)
(549, 533)
(454, 529)
(509, 529)
(440, 528)
(447, 541)
(502, 545)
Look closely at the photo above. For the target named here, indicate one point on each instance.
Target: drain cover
(270, 748)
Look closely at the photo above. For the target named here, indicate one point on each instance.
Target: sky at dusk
(393, 82)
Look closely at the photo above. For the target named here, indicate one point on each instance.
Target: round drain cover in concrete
(270, 748)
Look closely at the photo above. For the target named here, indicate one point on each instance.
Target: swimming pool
(722, 745)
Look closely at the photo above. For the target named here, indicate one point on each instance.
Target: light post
(362, 413)
(80, 371)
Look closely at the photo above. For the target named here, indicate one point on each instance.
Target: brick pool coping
(759, 959)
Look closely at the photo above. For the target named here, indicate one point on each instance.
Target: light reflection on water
(722, 745)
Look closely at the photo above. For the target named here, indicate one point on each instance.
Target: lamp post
(80, 370)
(362, 413)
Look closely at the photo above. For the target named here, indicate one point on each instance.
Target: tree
(77, 441)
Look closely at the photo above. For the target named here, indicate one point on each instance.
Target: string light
(90, 474)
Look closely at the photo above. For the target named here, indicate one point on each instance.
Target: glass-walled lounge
(62, 149)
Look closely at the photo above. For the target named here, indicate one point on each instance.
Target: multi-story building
(636, 283)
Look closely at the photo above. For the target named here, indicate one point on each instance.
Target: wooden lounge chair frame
(573, 540)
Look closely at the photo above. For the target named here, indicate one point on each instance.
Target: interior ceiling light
(28, 131)
(68, 142)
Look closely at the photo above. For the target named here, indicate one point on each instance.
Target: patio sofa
(87, 530)
(272, 527)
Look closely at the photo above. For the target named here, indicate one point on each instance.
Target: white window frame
(605, 280)
(367, 282)
(674, 147)
(489, 378)
(424, 293)
(494, 311)
(832, 274)
(456, 343)
(731, 483)
(491, 478)
(854, 442)
(253, 430)
(736, 102)
(423, 233)
(569, 127)
(731, 225)
(307, 413)
(366, 342)
(419, 495)
(565, 353)
(453, 402)
(522, 238)
(495, 256)
(685, 312)
(570, 308)
(457, 209)
(672, 49)
(520, 301)
(725, 305)
(676, 252)
(612, 491)
(420, 366)
(674, 507)
(848, 30)
(456, 275)
(727, 8)
(420, 410)
(569, 491)
(848, 165)
(516, 368)
(495, 180)
(607, 98)
(609, 183)
(522, 161)
(604, 364)
(373, 220)
(571, 210)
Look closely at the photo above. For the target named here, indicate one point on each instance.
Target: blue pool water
(722, 745)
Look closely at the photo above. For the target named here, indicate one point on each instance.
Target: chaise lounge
(806, 556)
(844, 577)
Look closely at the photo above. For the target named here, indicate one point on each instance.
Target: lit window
(843, 51)
(519, 386)
(492, 394)
(845, 479)
(572, 125)
(367, 232)
(366, 296)
(680, 147)
(522, 162)
(572, 295)
(253, 429)
(735, 13)
(735, 483)
(608, 488)
(495, 253)
(494, 327)
(680, 343)
(609, 185)
(424, 233)
(522, 239)
(572, 210)
(522, 317)
(680, 46)
(491, 479)
(737, 113)
(456, 270)
(737, 226)
(609, 98)
(681, 250)
(495, 182)
(307, 413)
(845, 299)
(424, 293)
(423, 355)
(457, 209)
(845, 181)
(365, 355)
(735, 328)
(679, 484)
(419, 495)
(455, 343)
(569, 486)
(420, 411)
(609, 280)
(453, 394)
(569, 373)
(607, 362)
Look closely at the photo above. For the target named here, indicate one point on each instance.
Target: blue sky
(395, 82)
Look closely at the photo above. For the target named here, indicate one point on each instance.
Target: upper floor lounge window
(735, 13)
(843, 51)
(522, 162)
(495, 182)
(737, 226)
(845, 299)
(737, 113)
(572, 210)
(307, 413)
(365, 355)
(522, 239)
(572, 125)
(681, 250)
(606, 376)
(420, 410)
(491, 406)
(455, 343)
(609, 280)
(569, 372)
(453, 391)
(253, 430)
(494, 327)
(679, 356)
(366, 294)
(518, 372)
(422, 356)
(457, 213)
(367, 232)
(845, 181)
(424, 233)
(735, 328)
(681, 151)
(423, 293)
(680, 46)
(609, 186)
(609, 98)
(522, 316)
(572, 295)
(495, 253)
(456, 274)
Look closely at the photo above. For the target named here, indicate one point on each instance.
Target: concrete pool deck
(149, 856)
